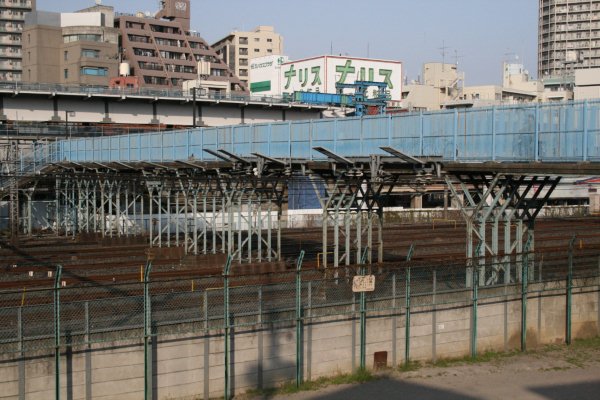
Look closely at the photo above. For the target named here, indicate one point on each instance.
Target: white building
(265, 75)
(320, 74)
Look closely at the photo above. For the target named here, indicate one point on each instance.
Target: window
(257, 39)
(243, 51)
(82, 37)
(87, 53)
(66, 73)
(243, 72)
(269, 50)
(243, 40)
(93, 71)
(243, 62)
(269, 40)
(257, 50)
(144, 52)
(66, 55)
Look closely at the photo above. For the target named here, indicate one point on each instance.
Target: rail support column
(57, 278)
(299, 325)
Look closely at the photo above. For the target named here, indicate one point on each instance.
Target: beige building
(12, 16)
(587, 84)
(238, 48)
(568, 36)
(71, 48)
(439, 84)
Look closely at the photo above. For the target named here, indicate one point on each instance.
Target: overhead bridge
(223, 189)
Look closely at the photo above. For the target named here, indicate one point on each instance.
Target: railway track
(89, 261)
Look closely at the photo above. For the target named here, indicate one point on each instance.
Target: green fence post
(363, 314)
(524, 277)
(57, 331)
(475, 285)
(147, 333)
(299, 326)
(570, 290)
(411, 250)
(407, 320)
(226, 324)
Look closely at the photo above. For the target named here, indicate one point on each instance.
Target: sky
(478, 34)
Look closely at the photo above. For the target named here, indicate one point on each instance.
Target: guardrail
(149, 92)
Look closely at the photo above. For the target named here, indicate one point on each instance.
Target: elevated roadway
(97, 105)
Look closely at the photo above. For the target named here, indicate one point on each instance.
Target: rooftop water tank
(124, 69)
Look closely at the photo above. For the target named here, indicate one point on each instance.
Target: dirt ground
(552, 373)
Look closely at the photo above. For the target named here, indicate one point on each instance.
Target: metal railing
(68, 315)
(150, 92)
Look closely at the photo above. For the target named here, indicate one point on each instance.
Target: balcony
(10, 54)
(10, 28)
(10, 16)
(16, 4)
(7, 39)
(150, 66)
(10, 65)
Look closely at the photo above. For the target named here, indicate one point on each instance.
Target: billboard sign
(320, 74)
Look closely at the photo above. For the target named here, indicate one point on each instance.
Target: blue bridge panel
(568, 131)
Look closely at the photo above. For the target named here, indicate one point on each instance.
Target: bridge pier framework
(496, 203)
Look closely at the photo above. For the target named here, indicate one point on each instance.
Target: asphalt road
(558, 374)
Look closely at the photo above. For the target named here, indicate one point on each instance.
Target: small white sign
(363, 283)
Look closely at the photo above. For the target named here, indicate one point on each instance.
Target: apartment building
(163, 53)
(12, 16)
(238, 48)
(568, 37)
(71, 48)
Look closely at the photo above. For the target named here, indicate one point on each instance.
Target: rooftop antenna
(510, 56)
(331, 49)
(443, 49)
(457, 57)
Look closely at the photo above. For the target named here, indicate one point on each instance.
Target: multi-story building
(238, 48)
(162, 51)
(568, 37)
(71, 48)
(12, 16)
(441, 83)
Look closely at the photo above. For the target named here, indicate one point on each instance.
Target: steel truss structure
(204, 209)
(235, 205)
(352, 200)
(494, 203)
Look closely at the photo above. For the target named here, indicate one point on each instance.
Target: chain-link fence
(59, 317)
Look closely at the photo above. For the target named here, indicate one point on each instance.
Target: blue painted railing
(550, 132)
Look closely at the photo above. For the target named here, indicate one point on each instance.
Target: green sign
(263, 86)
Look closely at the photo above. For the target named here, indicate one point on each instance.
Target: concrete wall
(309, 218)
(186, 365)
